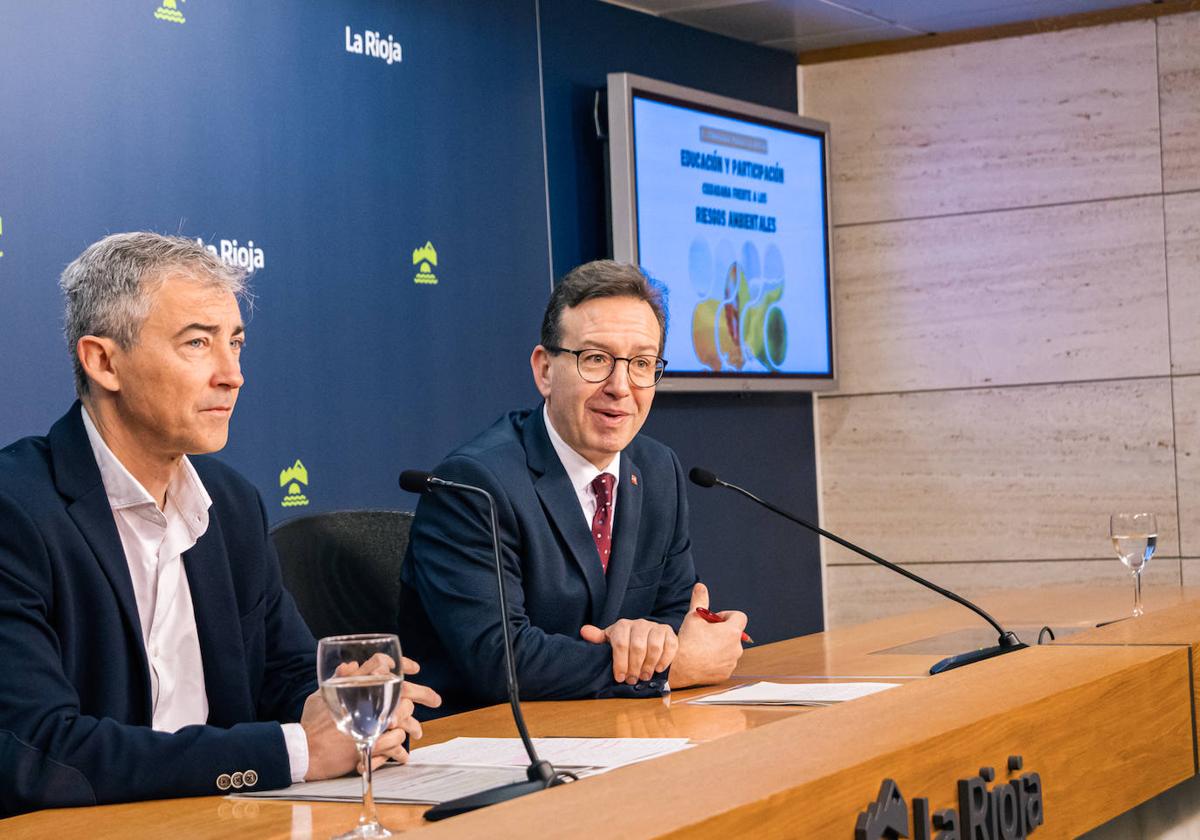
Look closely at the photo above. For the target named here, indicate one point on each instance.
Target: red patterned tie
(602, 486)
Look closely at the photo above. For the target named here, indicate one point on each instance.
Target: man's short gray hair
(110, 286)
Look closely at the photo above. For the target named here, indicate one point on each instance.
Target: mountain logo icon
(886, 818)
(292, 478)
(425, 258)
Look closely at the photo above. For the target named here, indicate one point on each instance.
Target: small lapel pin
(633, 478)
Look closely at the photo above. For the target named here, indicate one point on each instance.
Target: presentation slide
(731, 218)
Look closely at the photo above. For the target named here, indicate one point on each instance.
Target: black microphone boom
(416, 481)
(1008, 640)
(541, 774)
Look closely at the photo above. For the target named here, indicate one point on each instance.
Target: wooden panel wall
(1017, 258)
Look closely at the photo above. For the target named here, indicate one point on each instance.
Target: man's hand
(332, 754)
(708, 653)
(641, 648)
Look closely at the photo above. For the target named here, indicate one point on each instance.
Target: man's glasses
(597, 365)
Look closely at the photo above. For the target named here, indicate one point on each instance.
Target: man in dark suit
(148, 646)
(593, 523)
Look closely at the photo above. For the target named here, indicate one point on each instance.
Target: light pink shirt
(154, 542)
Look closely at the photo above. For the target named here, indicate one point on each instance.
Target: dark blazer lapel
(221, 647)
(77, 478)
(562, 505)
(625, 534)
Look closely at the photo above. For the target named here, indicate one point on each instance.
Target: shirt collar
(580, 470)
(185, 490)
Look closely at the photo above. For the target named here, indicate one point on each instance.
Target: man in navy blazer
(148, 647)
(593, 526)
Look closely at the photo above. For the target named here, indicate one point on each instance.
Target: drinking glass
(1134, 536)
(360, 679)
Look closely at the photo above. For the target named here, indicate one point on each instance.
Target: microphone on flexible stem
(1008, 640)
(541, 774)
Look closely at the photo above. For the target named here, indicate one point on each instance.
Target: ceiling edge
(990, 33)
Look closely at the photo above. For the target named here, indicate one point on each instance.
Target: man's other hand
(641, 648)
(332, 754)
(708, 653)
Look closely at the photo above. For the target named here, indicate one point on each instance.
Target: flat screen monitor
(726, 204)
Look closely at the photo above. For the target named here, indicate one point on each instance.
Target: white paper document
(463, 766)
(399, 784)
(793, 694)
(569, 753)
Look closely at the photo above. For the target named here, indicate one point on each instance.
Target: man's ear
(539, 363)
(96, 356)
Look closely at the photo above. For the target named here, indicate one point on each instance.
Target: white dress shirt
(583, 472)
(154, 542)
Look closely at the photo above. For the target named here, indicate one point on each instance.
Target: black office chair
(343, 568)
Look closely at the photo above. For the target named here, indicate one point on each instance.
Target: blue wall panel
(251, 121)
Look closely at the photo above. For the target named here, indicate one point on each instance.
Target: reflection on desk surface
(811, 771)
(973, 638)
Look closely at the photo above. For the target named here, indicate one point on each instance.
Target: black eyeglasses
(597, 365)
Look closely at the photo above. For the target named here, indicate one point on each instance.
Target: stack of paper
(564, 753)
(793, 694)
(398, 784)
(464, 766)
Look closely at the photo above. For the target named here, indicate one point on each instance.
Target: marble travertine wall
(982, 126)
(1042, 294)
(1186, 398)
(1179, 98)
(1182, 214)
(867, 592)
(1017, 267)
(1028, 473)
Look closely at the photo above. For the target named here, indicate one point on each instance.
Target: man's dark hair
(599, 279)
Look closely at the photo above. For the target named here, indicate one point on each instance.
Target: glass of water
(360, 678)
(1134, 536)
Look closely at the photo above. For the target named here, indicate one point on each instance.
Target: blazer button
(224, 781)
(237, 779)
(250, 778)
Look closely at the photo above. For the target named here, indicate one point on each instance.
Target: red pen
(712, 618)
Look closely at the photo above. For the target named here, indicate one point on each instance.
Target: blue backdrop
(255, 122)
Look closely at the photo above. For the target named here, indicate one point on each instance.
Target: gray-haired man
(150, 648)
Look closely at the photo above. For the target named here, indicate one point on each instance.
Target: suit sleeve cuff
(297, 750)
(642, 689)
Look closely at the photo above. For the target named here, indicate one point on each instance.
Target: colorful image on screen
(731, 219)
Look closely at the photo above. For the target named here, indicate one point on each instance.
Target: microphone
(541, 774)
(1008, 640)
(419, 481)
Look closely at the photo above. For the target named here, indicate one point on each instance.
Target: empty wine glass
(1134, 536)
(360, 679)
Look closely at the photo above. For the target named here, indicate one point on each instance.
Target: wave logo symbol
(169, 12)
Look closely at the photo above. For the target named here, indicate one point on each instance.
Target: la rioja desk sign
(1009, 811)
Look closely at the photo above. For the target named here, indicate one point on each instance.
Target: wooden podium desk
(1106, 717)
